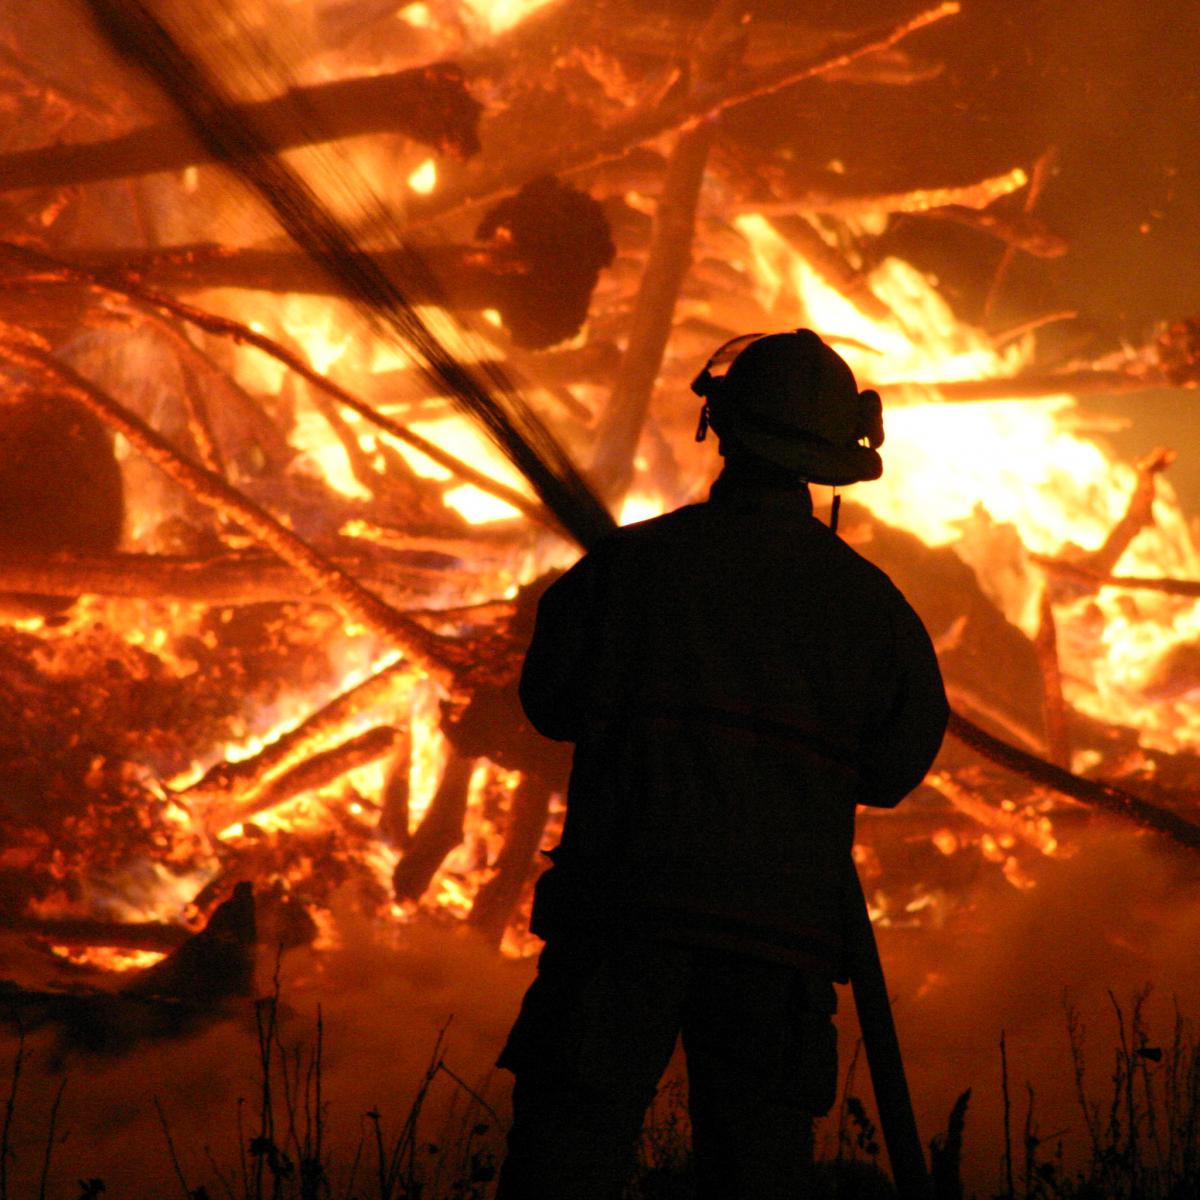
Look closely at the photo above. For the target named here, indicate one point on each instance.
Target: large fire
(326, 761)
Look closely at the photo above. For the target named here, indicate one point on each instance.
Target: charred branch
(1082, 575)
(85, 931)
(440, 830)
(429, 104)
(1104, 796)
(1054, 707)
(1022, 231)
(536, 262)
(974, 196)
(230, 580)
(1138, 514)
(497, 898)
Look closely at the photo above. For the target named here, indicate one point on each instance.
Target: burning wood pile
(266, 589)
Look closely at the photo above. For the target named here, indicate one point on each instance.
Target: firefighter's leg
(762, 1063)
(593, 1038)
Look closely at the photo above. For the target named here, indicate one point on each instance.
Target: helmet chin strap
(834, 509)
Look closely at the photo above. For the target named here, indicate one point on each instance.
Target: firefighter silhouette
(735, 680)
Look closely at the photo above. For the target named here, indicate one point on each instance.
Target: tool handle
(892, 1097)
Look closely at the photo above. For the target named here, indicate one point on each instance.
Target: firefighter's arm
(909, 730)
(553, 679)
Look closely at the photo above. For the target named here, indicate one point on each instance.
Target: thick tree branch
(653, 318)
(231, 579)
(429, 104)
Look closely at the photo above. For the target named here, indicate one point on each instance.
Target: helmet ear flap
(870, 418)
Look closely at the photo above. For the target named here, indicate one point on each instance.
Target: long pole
(892, 1097)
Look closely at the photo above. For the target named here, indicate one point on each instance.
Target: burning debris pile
(265, 588)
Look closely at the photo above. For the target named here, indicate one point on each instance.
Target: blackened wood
(1084, 576)
(440, 830)
(85, 931)
(230, 580)
(1054, 707)
(247, 775)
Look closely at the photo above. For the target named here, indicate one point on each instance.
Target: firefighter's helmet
(791, 399)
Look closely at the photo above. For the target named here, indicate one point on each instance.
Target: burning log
(1021, 232)
(670, 257)
(667, 265)
(1054, 706)
(315, 772)
(1041, 171)
(85, 931)
(1081, 575)
(974, 195)
(428, 104)
(250, 774)
(496, 899)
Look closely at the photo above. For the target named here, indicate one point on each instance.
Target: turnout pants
(595, 1033)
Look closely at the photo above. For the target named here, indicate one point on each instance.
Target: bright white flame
(324, 455)
(424, 179)
(477, 506)
(498, 15)
(638, 507)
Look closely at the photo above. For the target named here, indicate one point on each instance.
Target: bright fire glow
(498, 15)
(1014, 463)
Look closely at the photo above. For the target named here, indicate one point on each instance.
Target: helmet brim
(812, 459)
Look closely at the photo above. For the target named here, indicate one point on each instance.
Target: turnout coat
(736, 679)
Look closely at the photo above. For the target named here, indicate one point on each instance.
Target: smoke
(1120, 916)
(383, 1005)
